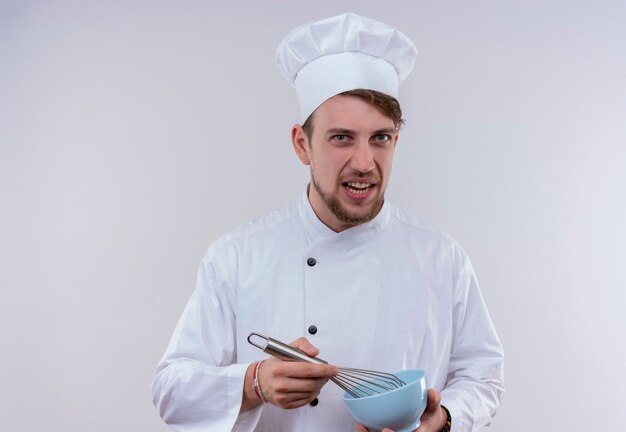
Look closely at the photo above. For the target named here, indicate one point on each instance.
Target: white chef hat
(342, 53)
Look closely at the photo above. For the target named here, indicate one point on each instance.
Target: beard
(344, 215)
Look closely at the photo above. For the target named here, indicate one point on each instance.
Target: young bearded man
(370, 286)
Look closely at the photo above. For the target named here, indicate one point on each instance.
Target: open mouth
(358, 188)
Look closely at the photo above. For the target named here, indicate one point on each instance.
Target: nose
(362, 158)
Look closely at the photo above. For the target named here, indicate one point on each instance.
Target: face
(350, 154)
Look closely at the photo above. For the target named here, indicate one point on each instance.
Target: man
(370, 287)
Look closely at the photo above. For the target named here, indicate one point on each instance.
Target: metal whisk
(356, 382)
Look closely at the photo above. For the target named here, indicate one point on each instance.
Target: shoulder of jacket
(415, 226)
(267, 225)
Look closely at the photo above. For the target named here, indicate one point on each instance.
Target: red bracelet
(255, 382)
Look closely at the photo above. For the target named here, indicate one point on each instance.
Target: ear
(300, 144)
(397, 137)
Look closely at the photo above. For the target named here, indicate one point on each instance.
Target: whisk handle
(283, 351)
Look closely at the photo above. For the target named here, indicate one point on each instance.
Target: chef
(340, 272)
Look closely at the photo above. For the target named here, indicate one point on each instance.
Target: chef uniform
(387, 295)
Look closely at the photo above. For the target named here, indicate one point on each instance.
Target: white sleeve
(198, 386)
(475, 382)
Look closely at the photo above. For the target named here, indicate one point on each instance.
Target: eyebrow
(390, 131)
(339, 131)
(342, 131)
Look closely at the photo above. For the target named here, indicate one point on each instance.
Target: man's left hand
(433, 419)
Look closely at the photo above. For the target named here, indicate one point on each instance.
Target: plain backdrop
(133, 133)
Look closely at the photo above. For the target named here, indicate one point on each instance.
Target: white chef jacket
(388, 295)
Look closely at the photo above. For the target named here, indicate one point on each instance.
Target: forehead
(352, 113)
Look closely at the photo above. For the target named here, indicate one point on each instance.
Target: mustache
(356, 176)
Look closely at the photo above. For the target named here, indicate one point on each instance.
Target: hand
(292, 384)
(432, 420)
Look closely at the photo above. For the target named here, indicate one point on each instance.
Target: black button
(312, 329)
(314, 402)
(311, 262)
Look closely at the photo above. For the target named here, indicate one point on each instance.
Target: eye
(340, 138)
(382, 138)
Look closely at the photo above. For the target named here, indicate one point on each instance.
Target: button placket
(311, 262)
(314, 277)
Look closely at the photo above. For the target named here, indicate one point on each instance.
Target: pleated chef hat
(342, 53)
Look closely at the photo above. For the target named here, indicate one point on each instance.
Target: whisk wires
(360, 383)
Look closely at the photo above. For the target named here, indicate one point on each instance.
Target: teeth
(358, 188)
(359, 185)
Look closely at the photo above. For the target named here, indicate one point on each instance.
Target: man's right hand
(292, 384)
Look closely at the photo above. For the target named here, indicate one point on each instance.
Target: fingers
(293, 400)
(304, 370)
(292, 384)
(303, 344)
(296, 377)
(306, 346)
(361, 428)
(285, 384)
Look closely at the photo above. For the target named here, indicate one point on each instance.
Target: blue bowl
(398, 409)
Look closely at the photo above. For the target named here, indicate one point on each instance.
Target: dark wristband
(448, 425)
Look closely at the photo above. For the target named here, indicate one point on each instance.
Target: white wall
(133, 133)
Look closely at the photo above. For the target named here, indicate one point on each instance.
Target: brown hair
(384, 103)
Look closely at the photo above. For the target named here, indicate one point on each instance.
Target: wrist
(249, 397)
(447, 425)
(255, 382)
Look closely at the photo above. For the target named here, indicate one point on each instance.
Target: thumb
(303, 344)
(434, 399)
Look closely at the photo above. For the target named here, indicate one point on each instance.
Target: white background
(133, 133)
